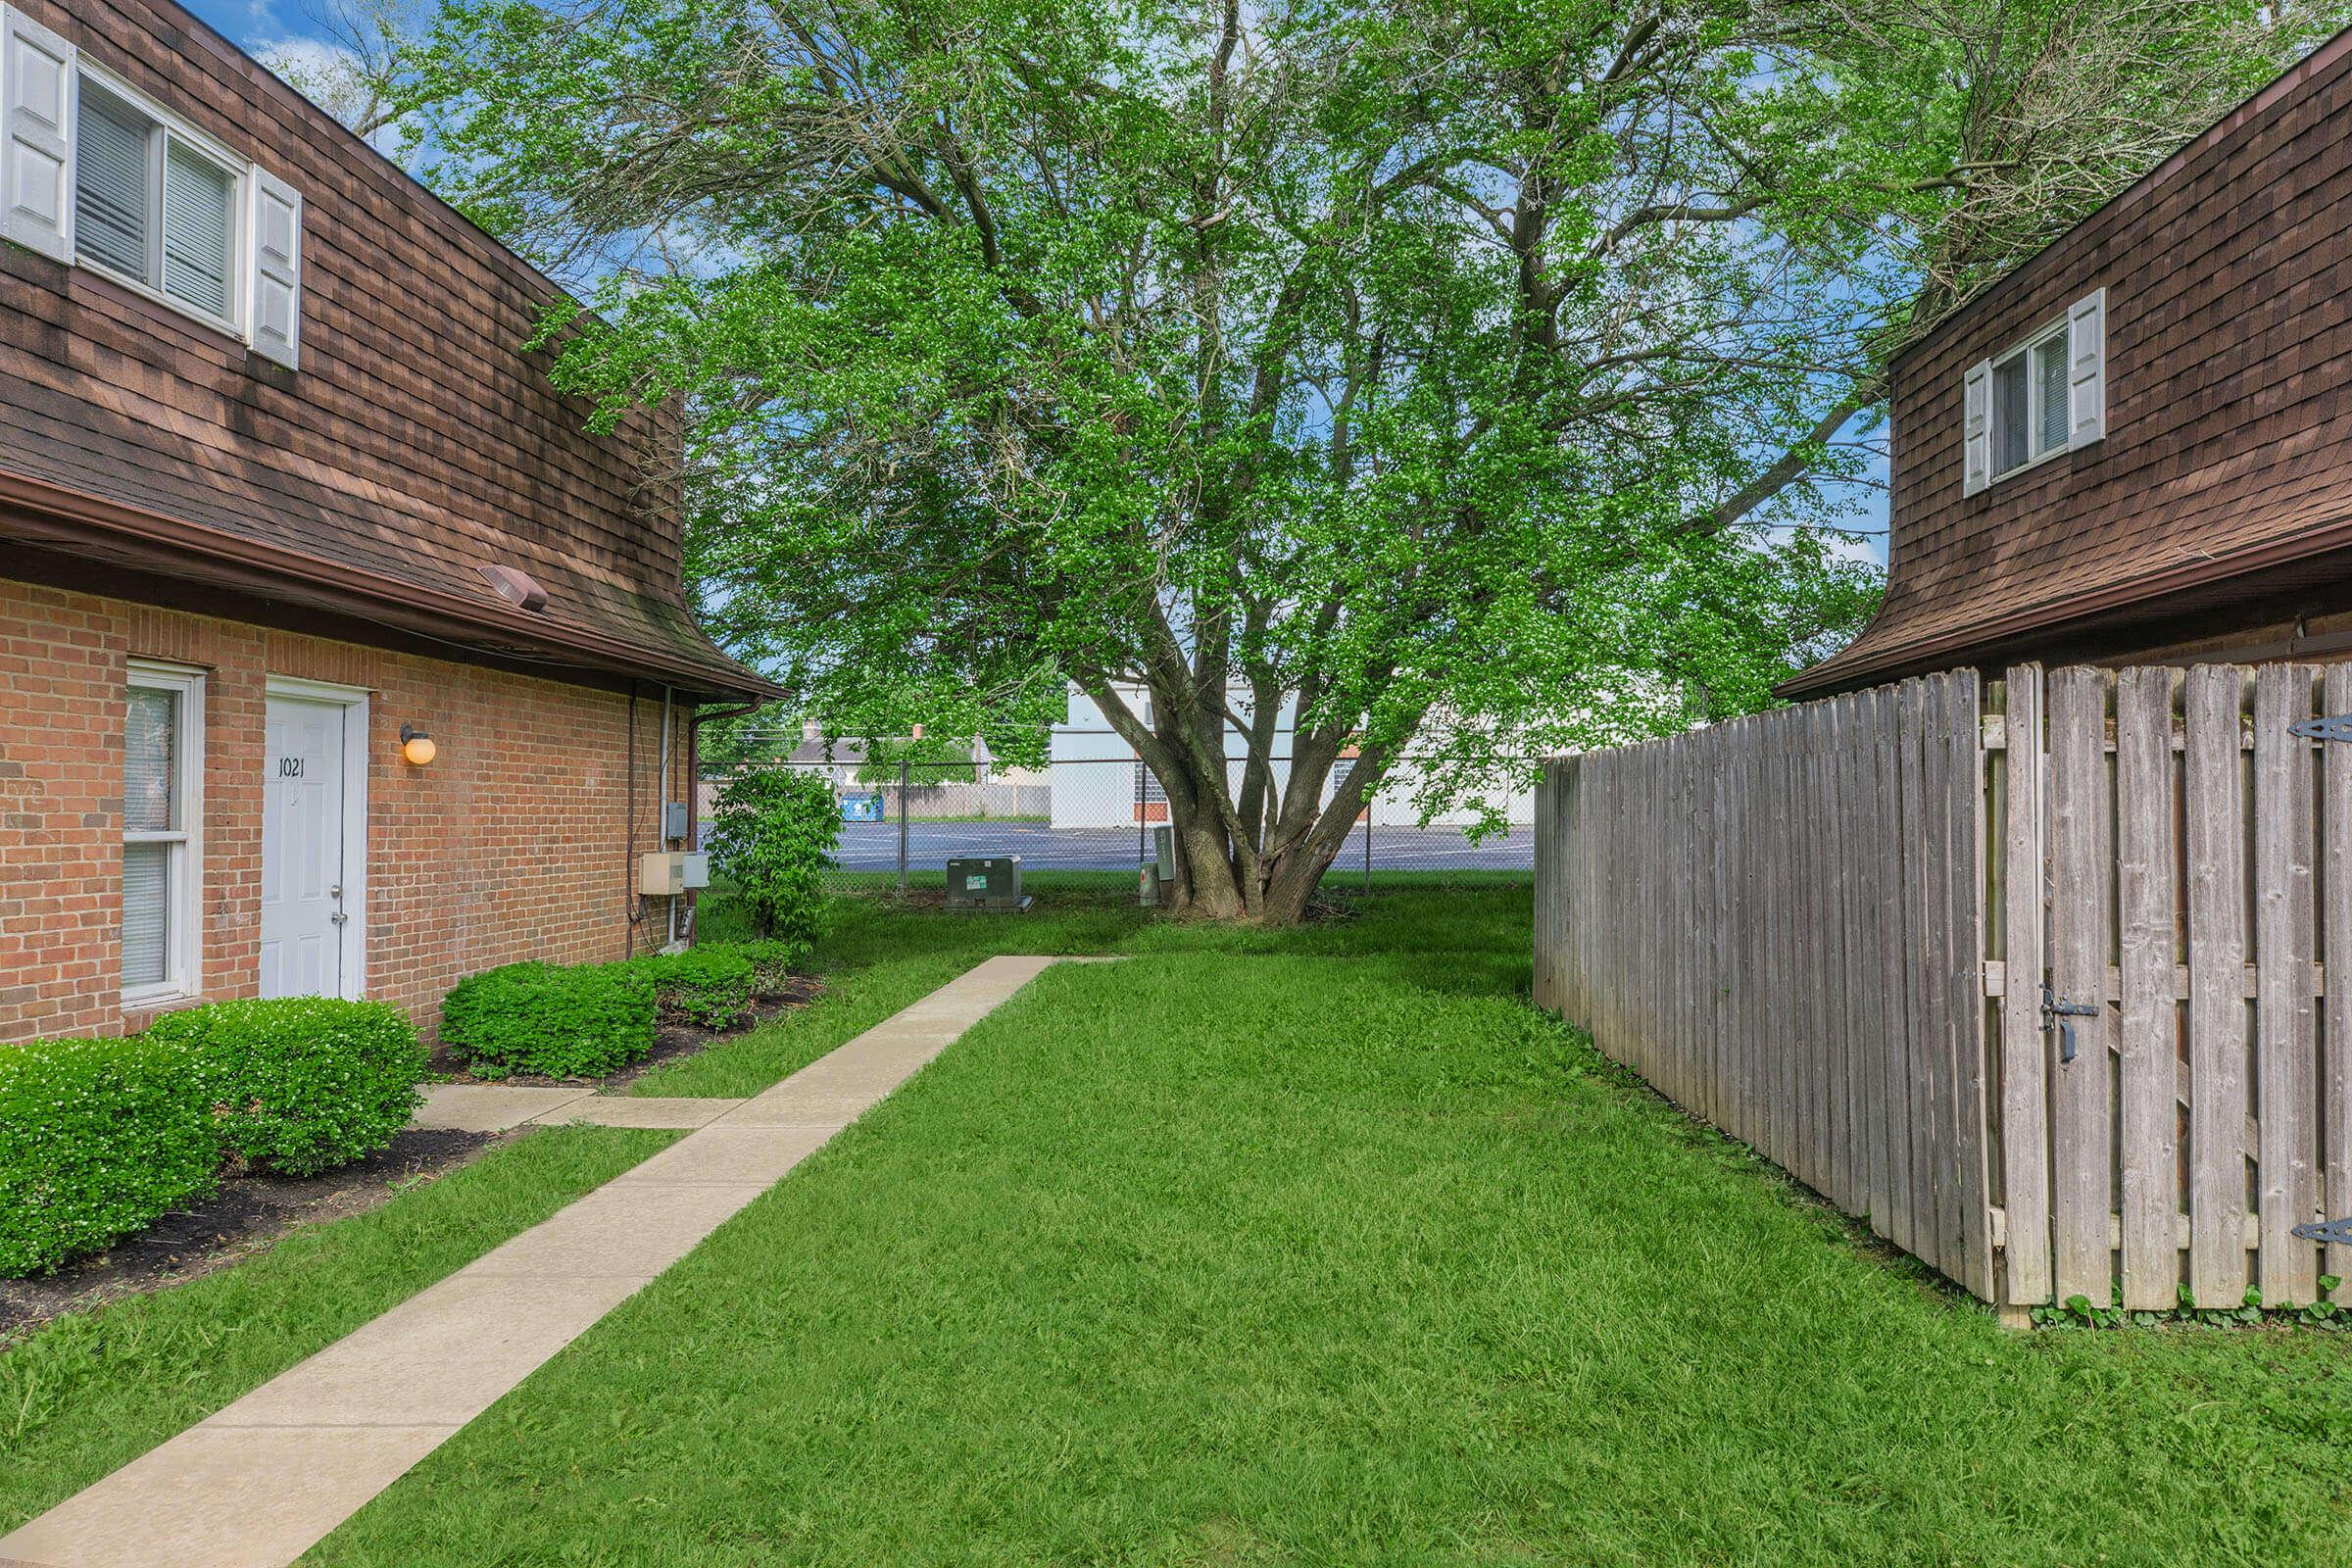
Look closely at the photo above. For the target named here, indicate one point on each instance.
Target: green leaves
(772, 835)
(1437, 365)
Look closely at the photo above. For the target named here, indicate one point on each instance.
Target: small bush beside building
(101, 1138)
(556, 1020)
(301, 1085)
(98, 1139)
(773, 833)
(587, 1020)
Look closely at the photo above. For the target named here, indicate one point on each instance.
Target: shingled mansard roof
(2225, 471)
(416, 445)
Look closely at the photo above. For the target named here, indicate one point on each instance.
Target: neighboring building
(2138, 446)
(1099, 781)
(278, 490)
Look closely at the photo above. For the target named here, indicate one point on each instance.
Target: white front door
(304, 910)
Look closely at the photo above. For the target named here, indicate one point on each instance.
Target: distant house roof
(2225, 478)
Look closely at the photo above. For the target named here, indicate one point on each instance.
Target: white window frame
(2080, 330)
(183, 953)
(239, 173)
(2035, 403)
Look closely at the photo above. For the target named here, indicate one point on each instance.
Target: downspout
(628, 870)
(694, 784)
(661, 810)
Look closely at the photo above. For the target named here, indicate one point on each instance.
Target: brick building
(335, 656)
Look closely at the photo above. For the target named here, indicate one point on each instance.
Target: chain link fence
(1093, 815)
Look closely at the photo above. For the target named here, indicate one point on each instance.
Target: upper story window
(2037, 398)
(98, 176)
(153, 205)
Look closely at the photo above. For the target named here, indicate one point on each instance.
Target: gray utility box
(986, 882)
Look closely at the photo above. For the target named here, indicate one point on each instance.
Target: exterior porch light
(417, 745)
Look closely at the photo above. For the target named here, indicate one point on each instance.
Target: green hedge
(302, 1084)
(710, 987)
(772, 962)
(98, 1137)
(564, 1021)
(585, 1020)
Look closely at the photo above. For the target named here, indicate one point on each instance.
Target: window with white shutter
(163, 772)
(276, 248)
(155, 204)
(2037, 399)
(2086, 379)
(38, 85)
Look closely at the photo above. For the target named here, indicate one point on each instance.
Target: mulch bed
(674, 1040)
(247, 1214)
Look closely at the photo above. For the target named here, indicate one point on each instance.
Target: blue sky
(253, 22)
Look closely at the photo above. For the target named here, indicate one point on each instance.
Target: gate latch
(2057, 1009)
(2334, 1232)
(2336, 728)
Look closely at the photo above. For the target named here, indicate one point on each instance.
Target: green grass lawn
(93, 1390)
(1316, 1247)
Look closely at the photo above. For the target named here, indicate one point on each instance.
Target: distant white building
(1099, 781)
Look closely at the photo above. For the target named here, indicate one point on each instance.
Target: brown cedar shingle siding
(2228, 446)
(418, 441)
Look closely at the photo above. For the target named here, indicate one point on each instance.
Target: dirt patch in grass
(674, 1040)
(249, 1213)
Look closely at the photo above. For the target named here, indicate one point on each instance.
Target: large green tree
(1461, 377)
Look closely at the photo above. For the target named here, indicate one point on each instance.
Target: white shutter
(1977, 462)
(277, 251)
(38, 83)
(2086, 368)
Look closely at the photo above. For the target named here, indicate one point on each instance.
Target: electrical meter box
(986, 882)
(667, 874)
(674, 819)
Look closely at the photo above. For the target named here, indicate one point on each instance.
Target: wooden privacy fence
(2029, 973)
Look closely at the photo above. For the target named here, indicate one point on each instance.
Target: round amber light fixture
(417, 745)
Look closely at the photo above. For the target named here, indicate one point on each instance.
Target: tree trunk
(1241, 861)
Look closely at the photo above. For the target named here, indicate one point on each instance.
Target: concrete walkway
(256, 1485)
(496, 1107)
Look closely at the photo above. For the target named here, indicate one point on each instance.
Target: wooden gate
(2028, 974)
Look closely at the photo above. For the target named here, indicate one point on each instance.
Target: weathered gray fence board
(2335, 921)
(2217, 1006)
(2024, 1071)
(2286, 1187)
(2149, 1072)
(1828, 930)
(1894, 962)
(2079, 857)
(1964, 742)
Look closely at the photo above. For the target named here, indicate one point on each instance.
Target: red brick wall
(512, 844)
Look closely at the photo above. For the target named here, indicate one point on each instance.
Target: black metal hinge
(2057, 1009)
(2334, 1232)
(2338, 728)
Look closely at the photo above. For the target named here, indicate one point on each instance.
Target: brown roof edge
(63, 517)
(1838, 673)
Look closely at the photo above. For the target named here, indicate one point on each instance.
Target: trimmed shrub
(773, 964)
(715, 986)
(302, 1084)
(772, 835)
(561, 1021)
(708, 987)
(98, 1137)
